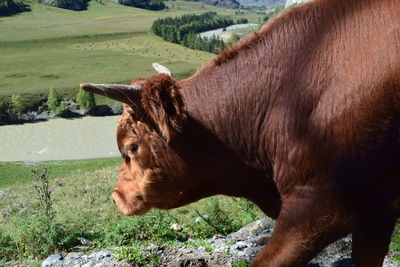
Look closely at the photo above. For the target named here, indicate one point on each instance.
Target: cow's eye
(133, 148)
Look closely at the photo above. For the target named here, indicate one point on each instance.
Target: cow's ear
(162, 101)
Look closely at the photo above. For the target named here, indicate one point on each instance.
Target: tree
(53, 100)
(60, 110)
(85, 100)
(3, 107)
(17, 105)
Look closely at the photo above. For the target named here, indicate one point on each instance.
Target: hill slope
(53, 47)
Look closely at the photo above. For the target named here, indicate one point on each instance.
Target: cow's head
(153, 115)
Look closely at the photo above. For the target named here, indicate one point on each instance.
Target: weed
(135, 254)
(155, 227)
(217, 222)
(44, 194)
(200, 243)
(242, 263)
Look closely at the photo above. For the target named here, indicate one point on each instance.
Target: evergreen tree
(85, 100)
(53, 100)
(17, 105)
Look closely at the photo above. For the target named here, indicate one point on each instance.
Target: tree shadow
(12, 7)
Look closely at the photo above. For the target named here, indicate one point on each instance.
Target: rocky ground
(218, 251)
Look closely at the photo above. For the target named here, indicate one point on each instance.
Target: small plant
(7, 247)
(44, 194)
(217, 222)
(53, 100)
(395, 244)
(154, 227)
(35, 232)
(17, 106)
(200, 243)
(242, 263)
(135, 254)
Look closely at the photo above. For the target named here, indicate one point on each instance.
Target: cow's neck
(225, 143)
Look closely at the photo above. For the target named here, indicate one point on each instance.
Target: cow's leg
(371, 239)
(301, 232)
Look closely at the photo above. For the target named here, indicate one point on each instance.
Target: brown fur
(302, 118)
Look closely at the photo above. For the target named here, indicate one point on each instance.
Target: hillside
(52, 47)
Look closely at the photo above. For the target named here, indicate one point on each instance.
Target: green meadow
(53, 47)
(82, 207)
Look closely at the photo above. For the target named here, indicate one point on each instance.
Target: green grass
(53, 47)
(19, 173)
(83, 207)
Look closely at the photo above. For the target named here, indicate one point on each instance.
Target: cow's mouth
(128, 209)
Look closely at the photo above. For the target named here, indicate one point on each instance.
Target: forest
(184, 30)
(145, 4)
(11, 7)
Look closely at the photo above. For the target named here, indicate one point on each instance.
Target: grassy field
(19, 173)
(53, 47)
(83, 208)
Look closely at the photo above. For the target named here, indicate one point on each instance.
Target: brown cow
(302, 118)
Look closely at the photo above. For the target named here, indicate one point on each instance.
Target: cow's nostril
(113, 200)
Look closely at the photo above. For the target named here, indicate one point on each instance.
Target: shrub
(145, 4)
(242, 21)
(85, 100)
(35, 236)
(136, 255)
(17, 105)
(60, 110)
(53, 100)
(8, 248)
(11, 7)
(153, 227)
(68, 4)
(3, 107)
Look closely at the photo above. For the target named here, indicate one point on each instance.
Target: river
(218, 32)
(59, 139)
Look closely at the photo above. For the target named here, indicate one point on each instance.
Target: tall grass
(82, 208)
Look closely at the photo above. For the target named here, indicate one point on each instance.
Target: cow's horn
(162, 69)
(128, 94)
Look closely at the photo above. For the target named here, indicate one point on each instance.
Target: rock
(260, 239)
(252, 228)
(73, 255)
(84, 241)
(101, 255)
(344, 263)
(199, 219)
(102, 110)
(117, 108)
(252, 251)
(176, 227)
(49, 261)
